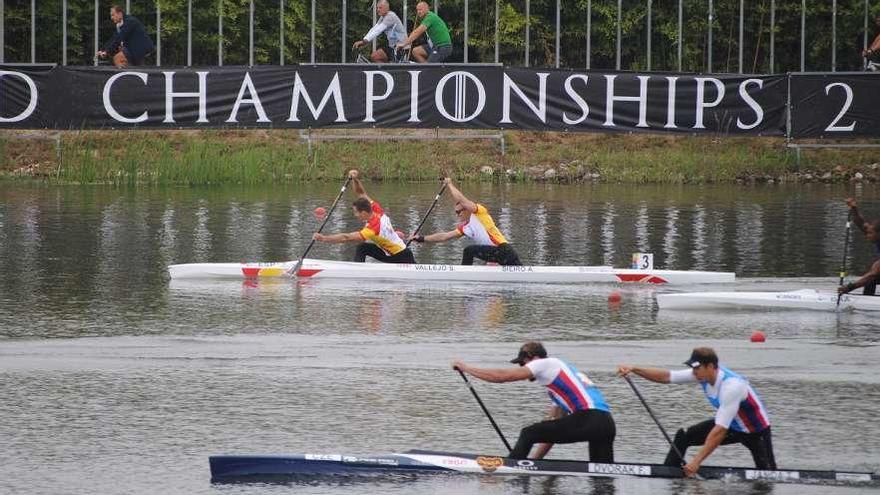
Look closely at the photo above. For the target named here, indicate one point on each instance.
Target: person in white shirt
(389, 24)
(740, 415)
(579, 412)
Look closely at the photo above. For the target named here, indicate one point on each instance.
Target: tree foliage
(481, 32)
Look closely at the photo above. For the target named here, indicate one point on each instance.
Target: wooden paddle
(294, 270)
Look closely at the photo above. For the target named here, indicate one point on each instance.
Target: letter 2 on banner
(643, 261)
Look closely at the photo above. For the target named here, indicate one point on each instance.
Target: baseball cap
(702, 355)
(529, 350)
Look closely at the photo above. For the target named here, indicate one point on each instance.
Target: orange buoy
(758, 336)
(320, 213)
(614, 297)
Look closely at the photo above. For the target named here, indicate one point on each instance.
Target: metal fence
(458, 13)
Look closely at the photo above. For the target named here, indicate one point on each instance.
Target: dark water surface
(115, 380)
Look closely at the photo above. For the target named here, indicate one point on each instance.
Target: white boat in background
(325, 269)
(810, 299)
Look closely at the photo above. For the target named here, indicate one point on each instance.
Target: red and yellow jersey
(481, 228)
(379, 231)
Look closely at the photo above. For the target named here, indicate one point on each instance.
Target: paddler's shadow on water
(713, 487)
(555, 485)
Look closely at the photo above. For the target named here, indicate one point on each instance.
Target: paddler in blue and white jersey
(740, 415)
(579, 412)
(872, 235)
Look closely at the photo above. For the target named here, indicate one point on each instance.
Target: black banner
(419, 96)
(835, 105)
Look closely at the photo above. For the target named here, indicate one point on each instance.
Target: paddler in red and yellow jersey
(475, 222)
(377, 239)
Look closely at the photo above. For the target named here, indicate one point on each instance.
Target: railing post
(680, 32)
(711, 21)
(345, 28)
(281, 33)
(251, 34)
(834, 36)
(619, 20)
(220, 33)
(33, 32)
(63, 32)
(741, 15)
(466, 31)
(648, 47)
(772, 35)
(496, 30)
(189, 33)
(96, 31)
(158, 35)
(803, 34)
(312, 51)
(589, 30)
(558, 27)
(528, 29)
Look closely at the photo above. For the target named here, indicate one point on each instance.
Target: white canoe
(475, 273)
(798, 299)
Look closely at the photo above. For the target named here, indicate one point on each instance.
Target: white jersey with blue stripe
(737, 405)
(568, 388)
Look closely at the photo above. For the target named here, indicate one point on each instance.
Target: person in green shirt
(438, 35)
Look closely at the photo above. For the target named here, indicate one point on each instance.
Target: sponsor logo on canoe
(434, 268)
(518, 269)
(323, 457)
(757, 474)
(382, 461)
(454, 461)
(628, 469)
(490, 464)
(526, 465)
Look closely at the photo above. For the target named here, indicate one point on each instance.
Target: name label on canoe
(434, 268)
(757, 474)
(624, 469)
(517, 269)
(324, 457)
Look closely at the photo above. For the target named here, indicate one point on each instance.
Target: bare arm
(494, 375)
(716, 436)
(658, 375)
(339, 238)
(858, 221)
(414, 35)
(436, 236)
(459, 197)
(873, 274)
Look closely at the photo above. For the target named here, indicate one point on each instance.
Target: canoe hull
(805, 299)
(236, 468)
(318, 269)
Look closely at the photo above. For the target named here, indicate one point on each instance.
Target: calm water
(115, 380)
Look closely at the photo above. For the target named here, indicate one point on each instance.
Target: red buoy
(758, 336)
(320, 213)
(614, 297)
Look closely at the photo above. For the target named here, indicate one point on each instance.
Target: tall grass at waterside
(190, 157)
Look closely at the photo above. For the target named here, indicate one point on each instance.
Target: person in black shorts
(490, 245)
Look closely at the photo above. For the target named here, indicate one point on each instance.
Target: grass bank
(273, 156)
